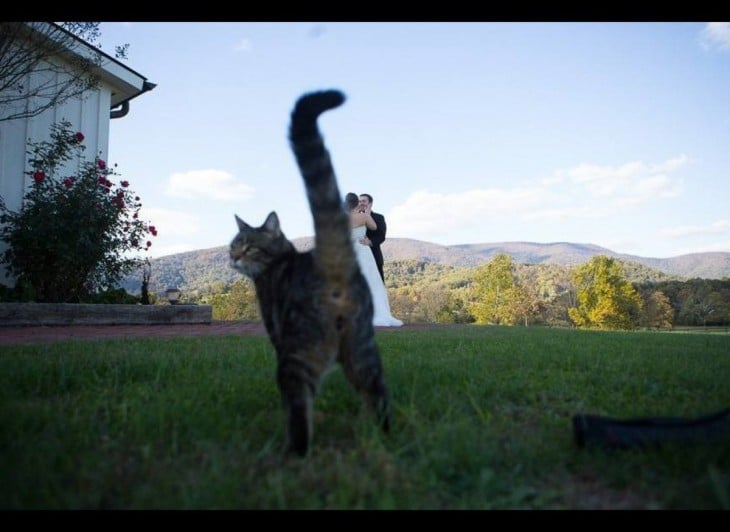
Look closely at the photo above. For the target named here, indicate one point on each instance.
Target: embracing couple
(367, 233)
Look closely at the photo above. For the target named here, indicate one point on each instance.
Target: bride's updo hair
(351, 201)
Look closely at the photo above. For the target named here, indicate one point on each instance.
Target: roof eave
(126, 83)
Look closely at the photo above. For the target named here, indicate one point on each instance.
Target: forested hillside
(198, 271)
(552, 284)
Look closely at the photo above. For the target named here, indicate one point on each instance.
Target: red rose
(125, 184)
(102, 163)
(79, 137)
(149, 243)
(39, 176)
(68, 182)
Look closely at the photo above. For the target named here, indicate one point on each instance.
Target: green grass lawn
(482, 420)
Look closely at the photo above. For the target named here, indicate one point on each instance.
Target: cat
(316, 305)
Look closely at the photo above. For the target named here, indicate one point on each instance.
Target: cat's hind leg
(297, 394)
(363, 368)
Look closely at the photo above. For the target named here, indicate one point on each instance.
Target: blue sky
(612, 133)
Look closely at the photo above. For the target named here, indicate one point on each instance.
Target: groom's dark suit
(377, 237)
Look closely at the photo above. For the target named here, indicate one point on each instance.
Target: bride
(359, 222)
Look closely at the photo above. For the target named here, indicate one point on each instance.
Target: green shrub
(75, 235)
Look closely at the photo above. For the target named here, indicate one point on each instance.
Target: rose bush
(75, 236)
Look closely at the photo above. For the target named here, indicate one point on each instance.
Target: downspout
(119, 113)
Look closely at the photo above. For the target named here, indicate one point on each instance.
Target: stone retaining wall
(100, 314)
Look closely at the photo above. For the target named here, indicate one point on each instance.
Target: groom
(374, 237)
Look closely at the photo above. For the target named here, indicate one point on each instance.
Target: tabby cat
(316, 305)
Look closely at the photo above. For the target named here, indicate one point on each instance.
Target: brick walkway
(33, 334)
(48, 334)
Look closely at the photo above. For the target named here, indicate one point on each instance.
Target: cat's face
(254, 248)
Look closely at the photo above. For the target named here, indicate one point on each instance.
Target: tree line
(603, 293)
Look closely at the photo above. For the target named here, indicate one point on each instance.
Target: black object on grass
(612, 433)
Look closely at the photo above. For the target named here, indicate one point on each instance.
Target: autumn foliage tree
(606, 300)
(497, 297)
(657, 310)
(237, 302)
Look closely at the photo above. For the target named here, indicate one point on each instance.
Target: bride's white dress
(381, 306)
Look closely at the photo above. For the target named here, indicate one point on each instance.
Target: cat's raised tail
(306, 140)
(308, 108)
(331, 223)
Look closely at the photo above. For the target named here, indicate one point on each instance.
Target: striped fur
(316, 305)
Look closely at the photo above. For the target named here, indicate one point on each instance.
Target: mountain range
(196, 269)
(711, 265)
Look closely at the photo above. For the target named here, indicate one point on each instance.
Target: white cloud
(629, 184)
(670, 165)
(170, 225)
(716, 35)
(169, 222)
(562, 214)
(657, 186)
(554, 179)
(211, 184)
(431, 213)
(244, 45)
(719, 226)
(584, 192)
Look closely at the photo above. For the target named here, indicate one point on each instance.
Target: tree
(694, 301)
(657, 310)
(702, 303)
(456, 311)
(34, 78)
(606, 300)
(404, 304)
(498, 298)
(433, 301)
(239, 303)
(551, 285)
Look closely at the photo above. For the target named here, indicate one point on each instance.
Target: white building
(89, 114)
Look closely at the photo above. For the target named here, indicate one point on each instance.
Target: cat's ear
(241, 224)
(272, 223)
